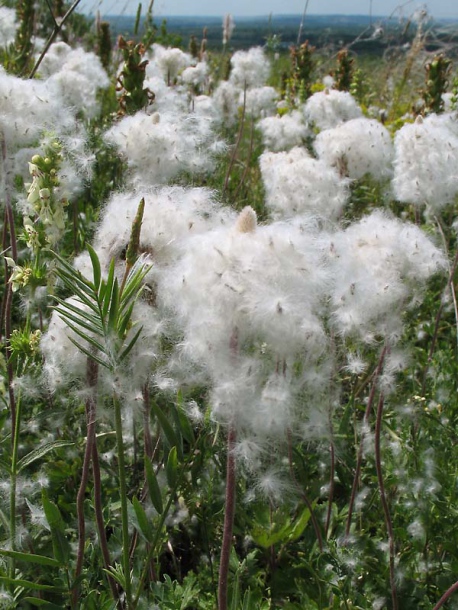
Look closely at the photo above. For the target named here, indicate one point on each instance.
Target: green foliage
(302, 67)
(437, 73)
(344, 71)
(133, 96)
(173, 495)
(105, 310)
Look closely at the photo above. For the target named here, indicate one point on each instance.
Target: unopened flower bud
(45, 194)
(246, 221)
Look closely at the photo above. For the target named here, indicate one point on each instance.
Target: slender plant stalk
(359, 459)
(57, 28)
(146, 568)
(148, 440)
(437, 322)
(301, 26)
(331, 488)
(237, 143)
(8, 298)
(386, 510)
(13, 482)
(228, 519)
(304, 496)
(247, 164)
(123, 498)
(15, 406)
(91, 376)
(450, 284)
(446, 596)
(98, 508)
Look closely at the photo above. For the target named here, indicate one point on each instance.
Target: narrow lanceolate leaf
(133, 284)
(90, 354)
(41, 603)
(63, 313)
(60, 544)
(27, 584)
(93, 319)
(30, 558)
(108, 289)
(130, 345)
(75, 281)
(165, 425)
(171, 468)
(143, 522)
(124, 320)
(153, 486)
(182, 420)
(85, 296)
(98, 346)
(95, 266)
(40, 452)
(114, 307)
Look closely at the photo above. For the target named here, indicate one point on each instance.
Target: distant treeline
(365, 34)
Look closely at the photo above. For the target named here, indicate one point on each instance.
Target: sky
(436, 8)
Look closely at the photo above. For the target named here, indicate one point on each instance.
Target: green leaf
(171, 468)
(287, 532)
(60, 544)
(182, 420)
(124, 320)
(117, 573)
(153, 486)
(40, 452)
(143, 523)
(95, 266)
(130, 345)
(108, 287)
(92, 319)
(78, 321)
(114, 307)
(165, 425)
(90, 354)
(27, 584)
(30, 558)
(41, 603)
(134, 284)
(98, 346)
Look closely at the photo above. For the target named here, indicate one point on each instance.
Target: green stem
(91, 375)
(123, 494)
(13, 483)
(181, 473)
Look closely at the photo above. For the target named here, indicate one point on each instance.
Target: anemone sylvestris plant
(241, 392)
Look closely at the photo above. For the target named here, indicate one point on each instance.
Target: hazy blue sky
(437, 8)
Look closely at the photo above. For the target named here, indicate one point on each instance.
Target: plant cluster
(230, 381)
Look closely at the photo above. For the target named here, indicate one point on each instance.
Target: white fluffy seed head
(158, 150)
(326, 109)
(8, 26)
(380, 266)
(357, 147)
(283, 132)
(425, 161)
(249, 68)
(299, 186)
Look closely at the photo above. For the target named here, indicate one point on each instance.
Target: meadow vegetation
(229, 323)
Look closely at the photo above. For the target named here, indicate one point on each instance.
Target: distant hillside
(372, 35)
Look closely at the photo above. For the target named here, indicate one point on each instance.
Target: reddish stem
(359, 460)
(228, 520)
(386, 510)
(446, 595)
